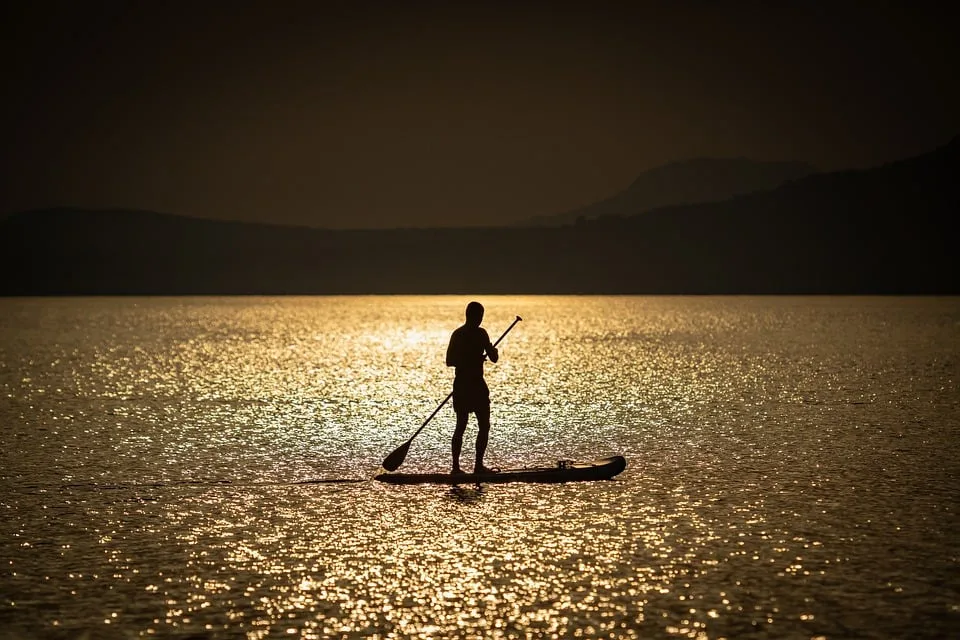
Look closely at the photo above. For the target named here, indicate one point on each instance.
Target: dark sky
(362, 114)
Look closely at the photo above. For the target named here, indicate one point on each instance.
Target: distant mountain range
(886, 230)
(687, 182)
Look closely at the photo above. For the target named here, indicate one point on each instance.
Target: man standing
(468, 349)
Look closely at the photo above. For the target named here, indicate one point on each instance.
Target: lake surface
(793, 469)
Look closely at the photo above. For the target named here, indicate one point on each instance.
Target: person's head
(474, 314)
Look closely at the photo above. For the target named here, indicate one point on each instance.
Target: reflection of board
(602, 469)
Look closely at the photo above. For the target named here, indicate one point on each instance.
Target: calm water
(793, 469)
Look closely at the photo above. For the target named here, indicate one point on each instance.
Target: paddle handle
(504, 334)
(450, 395)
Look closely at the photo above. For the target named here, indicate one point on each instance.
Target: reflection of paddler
(468, 349)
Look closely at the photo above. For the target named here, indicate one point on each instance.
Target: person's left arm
(453, 351)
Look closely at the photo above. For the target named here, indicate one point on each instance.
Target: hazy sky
(361, 114)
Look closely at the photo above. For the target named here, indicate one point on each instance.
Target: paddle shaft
(450, 395)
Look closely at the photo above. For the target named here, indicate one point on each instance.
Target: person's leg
(483, 434)
(457, 443)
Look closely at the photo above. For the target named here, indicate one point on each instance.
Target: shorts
(472, 396)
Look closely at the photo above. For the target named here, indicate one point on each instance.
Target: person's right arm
(490, 350)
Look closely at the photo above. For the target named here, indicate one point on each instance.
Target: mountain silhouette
(686, 182)
(886, 230)
(880, 230)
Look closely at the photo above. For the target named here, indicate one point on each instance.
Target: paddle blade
(393, 461)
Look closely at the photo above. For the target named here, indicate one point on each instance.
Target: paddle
(393, 461)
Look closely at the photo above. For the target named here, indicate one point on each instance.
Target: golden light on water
(433, 562)
(398, 341)
(153, 462)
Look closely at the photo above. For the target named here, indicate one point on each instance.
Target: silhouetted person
(469, 347)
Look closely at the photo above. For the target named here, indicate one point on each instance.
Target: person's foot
(480, 468)
(457, 471)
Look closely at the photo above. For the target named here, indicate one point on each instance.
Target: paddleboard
(564, 471)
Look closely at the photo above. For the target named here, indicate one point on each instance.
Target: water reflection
(499, 561)
(463, 494)
(152, 451)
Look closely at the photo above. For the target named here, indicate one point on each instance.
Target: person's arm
(452, 355)
(491, 350)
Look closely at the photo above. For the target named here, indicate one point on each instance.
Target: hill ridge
(885, 230)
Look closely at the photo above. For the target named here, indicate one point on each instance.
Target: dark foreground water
(793, 469)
